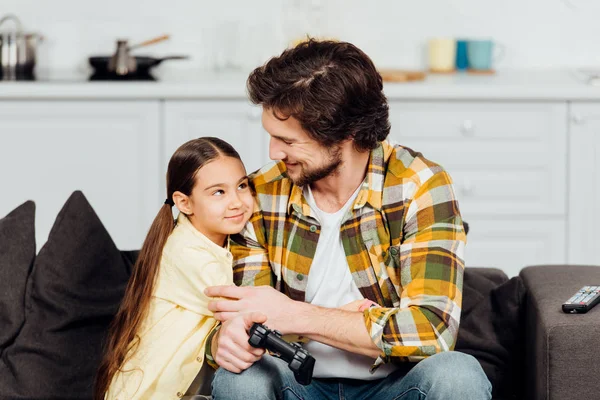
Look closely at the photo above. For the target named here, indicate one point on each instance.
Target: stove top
(45, 76)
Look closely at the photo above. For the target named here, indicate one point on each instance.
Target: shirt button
(179, 394)
(300, 277)
(198, 359)
(394, 251)
(313, 228)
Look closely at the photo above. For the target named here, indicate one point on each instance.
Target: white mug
(442, 55)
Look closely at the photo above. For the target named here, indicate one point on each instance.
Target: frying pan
(144, 64)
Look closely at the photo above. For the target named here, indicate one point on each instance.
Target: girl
(156, 342)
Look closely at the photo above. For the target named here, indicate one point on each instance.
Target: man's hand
(231, 349)
(277, 307)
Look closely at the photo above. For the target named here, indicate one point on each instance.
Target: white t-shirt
(330, 285)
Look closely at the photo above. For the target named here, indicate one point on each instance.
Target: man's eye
(218, 193)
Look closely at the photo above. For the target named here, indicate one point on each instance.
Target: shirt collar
(185, 223)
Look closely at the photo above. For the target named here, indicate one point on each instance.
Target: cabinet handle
(468, 128)
(255, 113)
(577, 119)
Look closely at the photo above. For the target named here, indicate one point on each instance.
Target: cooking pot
(17, 50)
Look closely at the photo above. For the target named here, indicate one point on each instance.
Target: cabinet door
(235, 121)
(511, 245)
(108, 150)
(506, 158)
(584, 180)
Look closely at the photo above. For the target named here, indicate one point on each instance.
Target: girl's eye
(243, 186)
(218, 193)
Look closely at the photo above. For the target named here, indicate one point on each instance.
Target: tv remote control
(582, 301)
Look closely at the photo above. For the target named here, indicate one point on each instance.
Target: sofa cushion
(76, 285)
(17, 252)
(491, 328)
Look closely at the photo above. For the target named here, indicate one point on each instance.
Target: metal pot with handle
(17, 50)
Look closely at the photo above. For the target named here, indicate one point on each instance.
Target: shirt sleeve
(430, 258)
(251, 266)
(187, 273)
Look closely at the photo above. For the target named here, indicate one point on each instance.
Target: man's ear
(183, 203)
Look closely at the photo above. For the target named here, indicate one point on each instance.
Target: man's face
(306, 160)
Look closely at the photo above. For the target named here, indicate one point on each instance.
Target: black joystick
(298, 359)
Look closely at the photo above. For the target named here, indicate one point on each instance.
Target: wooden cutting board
(400, 75)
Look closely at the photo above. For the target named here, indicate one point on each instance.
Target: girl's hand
(357, 305)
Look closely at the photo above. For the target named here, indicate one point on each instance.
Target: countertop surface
(544, 85)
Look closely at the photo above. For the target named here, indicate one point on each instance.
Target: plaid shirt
(404, 243)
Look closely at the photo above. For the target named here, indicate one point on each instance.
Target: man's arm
(251, 265)
(430, 277)
(335, 327)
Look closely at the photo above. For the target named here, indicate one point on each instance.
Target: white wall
(537, 33)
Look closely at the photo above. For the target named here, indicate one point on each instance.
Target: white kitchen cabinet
(511, 244)
(584, 184)
(107, 149)
(505, 158)
(508, 161)
(526, 173)
(235, 121)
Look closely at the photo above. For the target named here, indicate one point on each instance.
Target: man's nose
(275, 151)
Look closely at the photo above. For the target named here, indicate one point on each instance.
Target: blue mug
(480, 54)
(462, 62)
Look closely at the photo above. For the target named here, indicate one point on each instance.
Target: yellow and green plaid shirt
(404, 242)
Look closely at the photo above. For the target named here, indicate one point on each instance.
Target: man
(343, 219)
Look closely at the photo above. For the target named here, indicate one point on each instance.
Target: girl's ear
(183, 203)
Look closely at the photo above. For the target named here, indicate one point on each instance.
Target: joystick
(298, 359)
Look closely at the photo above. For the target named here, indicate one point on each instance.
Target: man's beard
(308, 177)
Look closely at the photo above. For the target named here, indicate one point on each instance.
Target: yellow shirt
(171, 350)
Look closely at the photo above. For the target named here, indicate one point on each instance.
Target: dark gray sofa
(561, 349)
(56, 304)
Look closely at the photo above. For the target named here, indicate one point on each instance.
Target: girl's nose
(236, 202)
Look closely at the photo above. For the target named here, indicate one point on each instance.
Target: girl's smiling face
(221, 202)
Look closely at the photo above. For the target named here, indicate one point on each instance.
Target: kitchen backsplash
(239, 34)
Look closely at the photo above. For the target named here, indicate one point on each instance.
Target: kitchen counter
(504, 85)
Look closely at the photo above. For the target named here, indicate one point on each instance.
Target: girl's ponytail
(122, 336)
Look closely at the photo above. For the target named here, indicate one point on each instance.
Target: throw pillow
(17, 252)
(74, 290)
(491, 328)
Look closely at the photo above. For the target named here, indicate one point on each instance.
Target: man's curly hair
(332, 88)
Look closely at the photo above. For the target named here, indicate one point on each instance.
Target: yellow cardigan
(173, 335)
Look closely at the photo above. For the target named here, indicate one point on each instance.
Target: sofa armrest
(562, 350)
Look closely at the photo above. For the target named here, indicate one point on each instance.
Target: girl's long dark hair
(123, 332)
